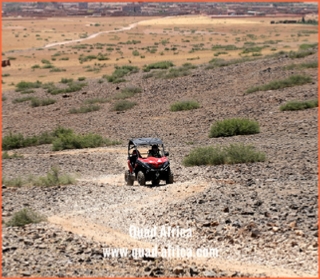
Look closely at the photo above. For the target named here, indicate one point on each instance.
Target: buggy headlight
(165, 165)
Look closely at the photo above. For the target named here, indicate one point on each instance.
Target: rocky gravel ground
(261, 217)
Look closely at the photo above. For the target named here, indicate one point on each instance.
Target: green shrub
(74, 141)
(224, 47)
(35, 102)
(25, 216)
(22, 99)
(71, 87)
(300, 54)
(60, 138)
(53, 178)
(158, 65)
(278, 84)
(299, 105)
(307, 46)
(47, 66)
(233, 127)
(123, 105)
(218, 155)
(120, 72)
(252, 49)
(218, 62)
(15, 141)
(135, 53)
(35, 66)
(23, 86)
(184, 105)
(57, 70)
(14, 182)
(96, 100)
(85, 109)
(66, 80)
(128, 92)
(44, 61)
(307, 65)
(81, 78)
(5, 155)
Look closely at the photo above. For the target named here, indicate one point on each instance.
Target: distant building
(132, 9)
(83, 5)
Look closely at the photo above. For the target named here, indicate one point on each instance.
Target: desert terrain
(180, 39)
(261, 217)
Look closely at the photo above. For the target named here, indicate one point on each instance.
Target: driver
(154, 151)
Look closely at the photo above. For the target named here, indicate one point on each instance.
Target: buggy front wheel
(141, 178)
(169, 179)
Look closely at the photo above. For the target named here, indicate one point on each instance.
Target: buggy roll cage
(134, 143)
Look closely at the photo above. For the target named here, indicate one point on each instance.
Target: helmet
(154, 147)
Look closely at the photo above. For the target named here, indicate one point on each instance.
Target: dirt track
(261, 217)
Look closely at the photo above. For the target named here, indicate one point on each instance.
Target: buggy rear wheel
(128, 178)
(141, 178)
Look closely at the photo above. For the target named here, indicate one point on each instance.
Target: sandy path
(86, 223)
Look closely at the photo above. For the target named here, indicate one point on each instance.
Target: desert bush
(184, 70)
(24, 86)
(278, 84)
(135, 53)
(300, 54)
(85, 109)
(71, 87)
(307, 65)
(176, 72)
(53, 178)
(81, 78)
(224, 47)
(120, 72)
(234, 126)
(22, 99)
(66, 80)
(35, 66)
(35, 102)
(128, 92)
(47, 66)
(96, 100)
(15, 141)
(83, 58)
(158, 65)
(45, 61)
(252, 49)
(218, 62)
(57, 70)
(25, 216)
(102, 57)
(123, 105)
(299, 105)
(13, 182)
(6, 155)
(75, 141)
(218, 155)
(184, 105)
(307, 46)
